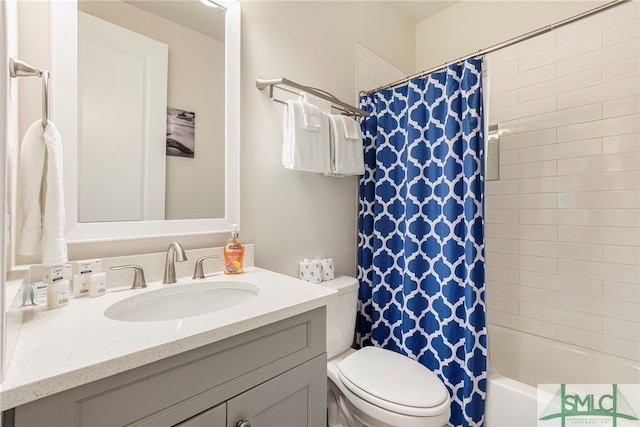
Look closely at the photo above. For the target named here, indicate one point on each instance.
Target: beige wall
(290, 215)
(469, 26)
(33, 29)
(33, 48)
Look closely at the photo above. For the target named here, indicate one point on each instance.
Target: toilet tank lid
(392, 380)
(342, 284)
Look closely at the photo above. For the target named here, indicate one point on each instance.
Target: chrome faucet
(175, 252)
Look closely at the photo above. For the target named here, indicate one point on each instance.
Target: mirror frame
(64, 114)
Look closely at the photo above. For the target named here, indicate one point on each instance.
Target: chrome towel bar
(285, 84)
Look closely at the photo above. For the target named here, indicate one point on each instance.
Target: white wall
(288, 214)
(563, 221)
(374, 71)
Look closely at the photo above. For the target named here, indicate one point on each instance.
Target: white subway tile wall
(373, 71)
(563, 221)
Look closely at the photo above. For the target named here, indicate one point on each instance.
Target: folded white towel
(312, 118)
(302, 149)
(322, 104)
(351, 128)
(42, 196)
(347, 155)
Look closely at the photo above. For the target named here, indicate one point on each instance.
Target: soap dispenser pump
(233, 253)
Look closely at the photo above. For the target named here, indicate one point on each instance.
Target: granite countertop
(75, 345)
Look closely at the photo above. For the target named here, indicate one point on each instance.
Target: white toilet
(372, 386)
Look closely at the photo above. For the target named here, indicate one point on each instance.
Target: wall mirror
(151, 144)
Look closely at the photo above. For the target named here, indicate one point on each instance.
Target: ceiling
(210, 21)
(189, 13)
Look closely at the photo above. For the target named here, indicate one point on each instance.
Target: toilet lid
(393, 381)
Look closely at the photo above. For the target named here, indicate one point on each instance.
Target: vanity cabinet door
(295, 398)
(174, 390)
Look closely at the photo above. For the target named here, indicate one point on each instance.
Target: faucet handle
(139, 281)
(198, 272)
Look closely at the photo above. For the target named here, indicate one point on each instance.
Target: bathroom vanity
(262, 362)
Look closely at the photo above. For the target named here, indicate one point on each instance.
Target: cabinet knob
(243, 423)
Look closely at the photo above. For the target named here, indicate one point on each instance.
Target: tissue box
(310, 270)
(326, 269)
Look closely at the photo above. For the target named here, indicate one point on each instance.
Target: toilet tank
(341, 315)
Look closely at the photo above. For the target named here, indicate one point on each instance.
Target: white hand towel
(312, 119)
(322, 104)
(32, 152)
(305, 150)
(54, 245)
(42, 196)
(347, 155)
(351, 128)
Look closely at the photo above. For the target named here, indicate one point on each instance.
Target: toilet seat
(394, 382)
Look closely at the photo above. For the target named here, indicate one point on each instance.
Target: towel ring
(19, 68)
(45, 97)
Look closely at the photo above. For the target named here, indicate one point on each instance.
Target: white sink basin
(180, 301)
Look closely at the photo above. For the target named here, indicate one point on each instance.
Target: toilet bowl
(372, 386)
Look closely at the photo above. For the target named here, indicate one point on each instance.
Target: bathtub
(520, 361)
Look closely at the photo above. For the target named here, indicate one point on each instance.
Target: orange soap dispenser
(233, 253)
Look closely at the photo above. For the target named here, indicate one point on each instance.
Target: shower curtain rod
(504, 44)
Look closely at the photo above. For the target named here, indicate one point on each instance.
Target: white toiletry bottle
(98, 284)
(82, 271)
(58, 294)
(81, 285)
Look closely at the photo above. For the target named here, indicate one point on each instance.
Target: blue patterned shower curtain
(421, 233)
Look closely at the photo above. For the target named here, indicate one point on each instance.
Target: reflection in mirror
(65, 113)
(137, 61)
